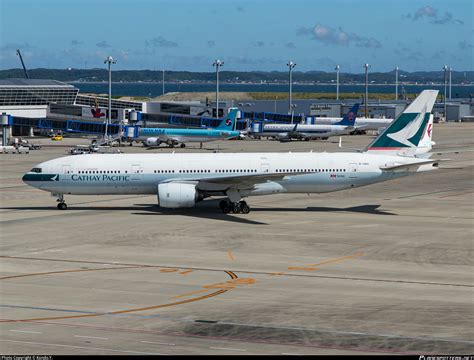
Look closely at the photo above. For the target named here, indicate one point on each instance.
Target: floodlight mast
(445, 68)
(217, 63)
(109, 60)
(290, 65)
(366, 66)
(396, 83)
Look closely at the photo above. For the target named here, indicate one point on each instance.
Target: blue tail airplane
(175, 136)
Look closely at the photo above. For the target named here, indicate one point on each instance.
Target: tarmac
(382, 269)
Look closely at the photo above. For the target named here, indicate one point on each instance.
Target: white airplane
(286, 132)
(182, 179)
(361, 123)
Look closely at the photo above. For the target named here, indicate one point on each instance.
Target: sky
(252, 35)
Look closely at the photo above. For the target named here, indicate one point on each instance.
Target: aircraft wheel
(183, 145)
(236, 208)
(245, 209)
(226, 209)
(62, 206)
(223, 204)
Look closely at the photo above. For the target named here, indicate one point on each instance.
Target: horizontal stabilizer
(411, 166)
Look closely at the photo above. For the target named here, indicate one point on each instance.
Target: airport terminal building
(49, 101)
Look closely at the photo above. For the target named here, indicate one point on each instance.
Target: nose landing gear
(61, 203)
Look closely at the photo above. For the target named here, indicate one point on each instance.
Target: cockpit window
(36, 170)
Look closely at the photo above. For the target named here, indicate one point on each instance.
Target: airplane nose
(25, 178)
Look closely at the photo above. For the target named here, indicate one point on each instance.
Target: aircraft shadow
(366, 209)
(208, 210)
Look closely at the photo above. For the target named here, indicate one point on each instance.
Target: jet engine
(177, 195)
(153, 141)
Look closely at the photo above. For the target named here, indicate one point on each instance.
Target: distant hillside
(93, 75)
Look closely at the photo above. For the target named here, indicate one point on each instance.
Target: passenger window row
(310, 170)
(98, 172)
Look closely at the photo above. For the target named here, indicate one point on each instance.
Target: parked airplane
(174, 136)
(363, 124)
(286, 132)
(182, 179)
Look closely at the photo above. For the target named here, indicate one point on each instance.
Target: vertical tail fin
(426, 143)
(349, 118)
(228, 122)
(403, 135)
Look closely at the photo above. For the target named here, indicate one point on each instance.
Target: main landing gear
(61, 203)
(235, 207)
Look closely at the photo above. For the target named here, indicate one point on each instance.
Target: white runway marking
(215, 348)
(158, 343)
(81, 347)
(91, 337)
(27, 332)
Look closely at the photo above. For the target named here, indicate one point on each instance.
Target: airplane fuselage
(186, 135)
(364, 123)
(94, 174)
(305, 131)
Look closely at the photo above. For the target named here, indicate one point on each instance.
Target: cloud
(103, 44)
(431, 13)
(406, 53)
(425, 11)
(447, 19)
(290, 45)
(439, 55)
(160, 41)
(331, 36)
(464, 45)
(211, 43)
(76, 42)
(15, 46)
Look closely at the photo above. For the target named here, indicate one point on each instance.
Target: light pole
(445, 68)
(217, 64)
(366, 89)
(290, 65)
(337, 81)
(450, 70)
(163, 81)
(396, 83)
(109, 60)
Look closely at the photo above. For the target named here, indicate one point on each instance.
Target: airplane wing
(165, 138)
(238, 182)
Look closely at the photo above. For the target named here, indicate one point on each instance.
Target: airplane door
(264, 165)
(353, 170)
(136, 172)
(66, 172)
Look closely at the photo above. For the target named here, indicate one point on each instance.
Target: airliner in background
(378, 124)
(174, 136)
(286, 132)
(182, 179)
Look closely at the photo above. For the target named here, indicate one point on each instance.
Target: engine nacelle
(177, 195)
(153, 141)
